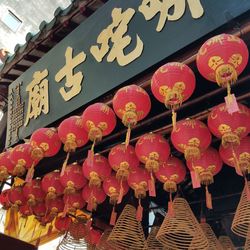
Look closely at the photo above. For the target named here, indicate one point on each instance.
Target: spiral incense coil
(241, 221)
(226, 243)
(127, 232)
(103, 243)
(152, 242)
(182, 231)
(213, 242)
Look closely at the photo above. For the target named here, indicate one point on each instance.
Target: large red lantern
(221, 59)
(231, 128)
(73, 201)
(115, 191)
(96, 170)
(72, 134)
(16, 196)
(131, 104)
(6, 166)
(172, 84)
(73, 178)
(191, 137)
(55, 206)
(138, 180)
(98, 120)
(45, 143)
(152, 149)
(62, 223)
(171, 173)
(238, 156)
(51, 185)
(208, 165)
(93, 196)
(33, 192)
(123, 159)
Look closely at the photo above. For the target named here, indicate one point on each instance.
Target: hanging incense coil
(241, 221)
(152, 242)
(70, 243)
(226, 243)
(213, 242)
(77, 229)
(103, 243)
(182, 231)
(127, 232)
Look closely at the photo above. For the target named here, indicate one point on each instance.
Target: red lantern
(93, 237)
(33, 192)
(222, 58)
(97, 170)
(73, 201)
(6, 166)
(206, 167)
(191, 137)
(231, 128)
(131, 104)
(73, 178)
(172, 84)
(55, 206)
(123, 159)
(238, 156)
(25, 210)
(138, 181)
(93, 196)
(152, 149)
(4, 199)
(16, 196)
(39, 210)
(62, 223)
(72, 134)
(115, 191)
(21, 158)
(98, 120)
(51, 185)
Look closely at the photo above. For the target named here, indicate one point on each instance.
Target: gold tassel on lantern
(94, 179)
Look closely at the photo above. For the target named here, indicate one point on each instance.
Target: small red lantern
(206, 167)
(222, 59)
(55, 206)
(4, 199)
(97, 170)
(172, 84)
(93, 196)
(231, 128)
(21, 158)
(191, 137)
(73, 201)
(16, 196)
(33, 192)
(62, 223)
(115, 191)
(72, 134)
(138, 181)
(131, 104)
(25, 210)
(73, 178)
(6, 166)
(51, 185)
(238, 156)
(39, 210)
(171, 173)
(98, 120)
(152, 149)
(123, 159)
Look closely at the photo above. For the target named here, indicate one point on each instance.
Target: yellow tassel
(65, 164)
(128, 136)
(208, 199)
(174, 115)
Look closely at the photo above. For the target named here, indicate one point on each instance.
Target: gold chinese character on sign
(38, 91)
(73, 82)
(115, 34)
(171, 10)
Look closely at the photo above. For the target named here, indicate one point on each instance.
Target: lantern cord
(30, 173)
(174, 115)
(208, 199)
(128, 136)
(65, 164)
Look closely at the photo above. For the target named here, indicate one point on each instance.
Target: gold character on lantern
(115, 33)
(38, 90)
(150, 8)
(72, 81)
